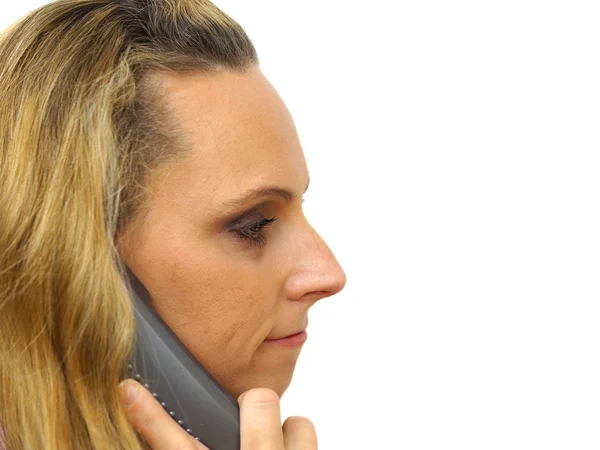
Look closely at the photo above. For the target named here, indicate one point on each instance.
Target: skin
(221, 295)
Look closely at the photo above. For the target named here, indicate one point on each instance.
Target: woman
(142, 132)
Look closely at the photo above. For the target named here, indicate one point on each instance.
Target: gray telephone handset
(178, 381)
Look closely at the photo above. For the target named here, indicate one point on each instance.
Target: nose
(316, 272)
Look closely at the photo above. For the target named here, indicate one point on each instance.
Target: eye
(253, 232)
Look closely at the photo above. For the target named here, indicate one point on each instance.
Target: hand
(260, 422)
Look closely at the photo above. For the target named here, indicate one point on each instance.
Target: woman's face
(227, 297)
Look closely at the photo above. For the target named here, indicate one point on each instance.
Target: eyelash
(253, 233)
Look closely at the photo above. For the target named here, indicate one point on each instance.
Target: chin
(264, 372)
(280, 388)
(277, 382)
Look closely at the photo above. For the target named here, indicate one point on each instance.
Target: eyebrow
(265, 191)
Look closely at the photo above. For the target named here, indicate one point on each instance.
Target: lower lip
(294, 340)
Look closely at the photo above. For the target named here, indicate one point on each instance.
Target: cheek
(219, 301)
(220, 310)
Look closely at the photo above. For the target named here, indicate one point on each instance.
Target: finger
(260, 420)
(150, 419)
(299, 434)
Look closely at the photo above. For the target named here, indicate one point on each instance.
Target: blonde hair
(81, 127)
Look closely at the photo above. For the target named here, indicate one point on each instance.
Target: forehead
(240, 132)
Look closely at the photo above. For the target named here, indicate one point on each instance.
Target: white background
(454, 155)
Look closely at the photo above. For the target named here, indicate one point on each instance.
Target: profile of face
(228, 258)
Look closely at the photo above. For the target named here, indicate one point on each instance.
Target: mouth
(293, 340)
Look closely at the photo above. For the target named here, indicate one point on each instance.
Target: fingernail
(241, 397)
(129, 391)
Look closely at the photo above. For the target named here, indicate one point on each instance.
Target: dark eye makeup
(253, 232)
